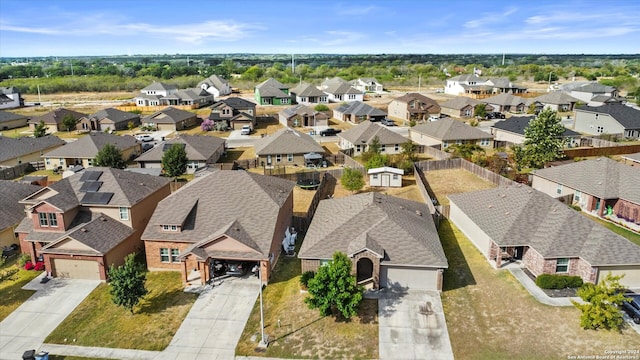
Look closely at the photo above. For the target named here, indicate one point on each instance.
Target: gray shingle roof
(594, 88)
(11, 211)
(358, 108)
(87, 147)
(517, 125)
(117, 116)
(299, 109)
(198, 148)
(223, 197)
(215, 81)
(504, 99)
(367, 130)
(448, 129)
(459, 102)
(271, 88)
(169, 115)
(56, 116)
(6, 116)
(160, 86)
(287, 141)
(12, 148)
(307, 90)
(401, 230)
(625, 115)
(520, 216)
(467, 78)
(602, 177)
(341, 88)
(556, 98)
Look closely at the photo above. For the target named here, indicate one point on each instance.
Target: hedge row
(550, 281)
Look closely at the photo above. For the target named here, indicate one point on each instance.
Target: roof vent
(418, 212)
(506, 213)
(141, 184)
(84, 230)
(503, 195)
(103, 218)
(490, 206)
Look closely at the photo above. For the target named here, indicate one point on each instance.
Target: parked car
(632, 307)
(494, 115)
(147, 146)
(388, 122)
(246, 130)
(330, 132)
(237, 268)
(144, 137)
(434, 118)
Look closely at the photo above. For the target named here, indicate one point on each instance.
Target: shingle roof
(9, 90)
(6, 116)
(594, 88)
(87, 147)
(271, 88)
(160, 86)
(307, 90)
(341, 88)
(12, 148)
(448, 129)
(11, 211)
(459, 102)
(602, 177)
(467, 78)
(366, 131)
(517, 125)
(56, 116)
(358, 108)
(556, 98)
(236, 103)
(520, 216)
(625, 115)
(169, 115)
(287, 141)
(299, 109)
(401, 230)
(504, 99)
(253, 201)
(117, 116)
(197, 147)
(215, 81)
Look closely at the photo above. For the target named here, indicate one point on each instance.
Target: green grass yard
(11, 291)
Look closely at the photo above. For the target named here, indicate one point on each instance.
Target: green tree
(464, 151)
(376, 161)
(321, 107)
(375, 147)
(543, 141)
(480, 110)
(352, 179)
(333, 290)
(127, 282)
(69, 122)
(174, 161)
(40, 129)
(131, 125)
(110, 156)
(601, 308)
(409, 150)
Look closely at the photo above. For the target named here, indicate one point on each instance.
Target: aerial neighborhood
(230, 189)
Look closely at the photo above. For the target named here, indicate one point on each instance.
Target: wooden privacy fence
(602, 151)
(459, 163)
(427, 193)
(324, 191)
(16, 171)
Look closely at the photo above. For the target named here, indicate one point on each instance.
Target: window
(164, 255)
(559, 189)
(53, 220)
(357, 148)
(600, 129)
(324, 262)
(169, 227)
(290, 157)
(174, 255)
(445, 144)
(352, 96)
(375, 176)
(395, 176)
(484, 142)
(90, 162)
(383, 148)
(577, 195)
(43, 219)
(124, 213)
(284, 101)
(278, 158)
(562, 265)
(47, 161)
(323, 99)
(397, 147)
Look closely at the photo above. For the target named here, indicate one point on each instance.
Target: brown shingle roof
(287, 141)
(11, 211)
(366, 131)
(448, 129)
(87, 147)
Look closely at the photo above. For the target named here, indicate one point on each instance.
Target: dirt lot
(445, 182)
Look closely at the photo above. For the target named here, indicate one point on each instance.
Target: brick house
(522, 225)
(286, 147)
(446, 132)
(360, 137)
(54, 119)
(413, 106)
(84, 223)
(234, 112)
(223, 216)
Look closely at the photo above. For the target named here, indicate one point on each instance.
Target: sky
(116, 27)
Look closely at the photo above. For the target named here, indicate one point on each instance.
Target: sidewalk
(537, 293)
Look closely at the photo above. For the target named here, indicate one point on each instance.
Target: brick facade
(627, 210)
(310, 265)
(376, 265)
(152, 251)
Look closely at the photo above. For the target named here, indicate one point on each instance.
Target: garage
(409, 277)
(631, 274)
(76, 269)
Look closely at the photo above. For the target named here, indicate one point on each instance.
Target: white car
(246, 130)
(144, 137)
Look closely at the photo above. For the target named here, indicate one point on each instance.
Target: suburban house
(223, 216)
(14, 151)
(413, 106)
(308, 94)
(287, 147)
(201, 151)
(272, 92)
(557, 101)
(506, 103)
(509, 132)
(215, 85)
(339, 90)
(171, 119)
(522, 225)
(83, 224)
(592, 93)
(360, 137)
(600, 186)
(10, 98)
(11, 211)
(108, 120)
(84, 150)
(302, 116)
(9, 120)
(461, 107)
(474, 86)
(614, 119)
(153, 94)
(235, 112)
(392, 242)
(356, 112)
(367, 85)
(446, 132)
(54, 119)
(194, 98)
(385, 177)
(501, 85)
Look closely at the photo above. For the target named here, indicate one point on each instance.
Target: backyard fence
(16, 171)
(459, 163)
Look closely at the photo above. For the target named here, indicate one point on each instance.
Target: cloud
(490, 18)
(355, 10)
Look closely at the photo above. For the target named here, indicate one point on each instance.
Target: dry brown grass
(409, 190)
(331, 147)
(454, 181)
(301, 200)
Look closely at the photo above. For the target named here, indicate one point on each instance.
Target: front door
(518, 252)
(269, 160)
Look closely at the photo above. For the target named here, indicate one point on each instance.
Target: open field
(453, 181)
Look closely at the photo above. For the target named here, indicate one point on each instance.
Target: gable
(71, 244)
(227, 244)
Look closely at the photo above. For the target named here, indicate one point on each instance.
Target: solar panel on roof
(99, 198)
(90, 186)
(91, 175)
(166, 147)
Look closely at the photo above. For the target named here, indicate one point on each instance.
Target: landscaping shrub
(551, 281)
(576, 207)
(23, 258)
(305, 277)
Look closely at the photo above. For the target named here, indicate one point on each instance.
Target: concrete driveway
(28, 326)
(405, 333)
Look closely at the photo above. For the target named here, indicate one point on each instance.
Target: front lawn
(11, 291)
(295, 331)
(98, 322)
(491, 316)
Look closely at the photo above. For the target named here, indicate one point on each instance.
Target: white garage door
(77, 269)
(631, 274)
(412, 278)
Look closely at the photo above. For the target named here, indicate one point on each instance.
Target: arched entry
(364, 269)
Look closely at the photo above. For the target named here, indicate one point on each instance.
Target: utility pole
(419, 81)
(262, 340)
